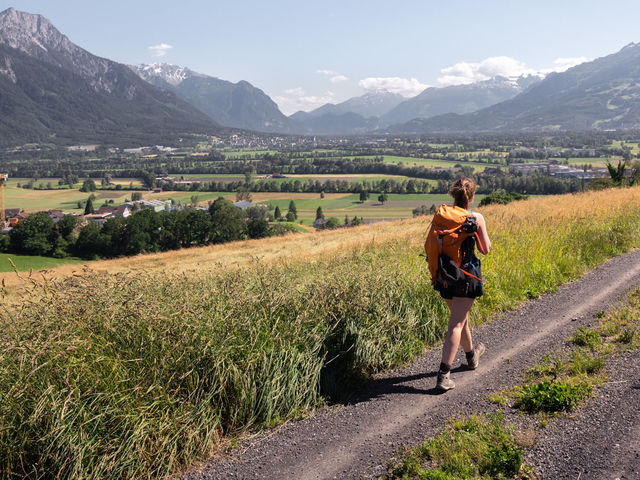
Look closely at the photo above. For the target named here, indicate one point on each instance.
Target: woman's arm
(483, 236)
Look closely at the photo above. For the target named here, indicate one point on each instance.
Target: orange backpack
(450, 227)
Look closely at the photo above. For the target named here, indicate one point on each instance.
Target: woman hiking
(455, 270)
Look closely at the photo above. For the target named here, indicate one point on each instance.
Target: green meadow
(24, 263)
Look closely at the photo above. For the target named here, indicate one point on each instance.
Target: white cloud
(563, 64)
(335, 77)
(408, 87)
(295, 99)
(160, 50)
(464, 73)
(298, 91)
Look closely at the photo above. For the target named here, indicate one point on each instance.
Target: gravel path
(402, 408)
(602, 439)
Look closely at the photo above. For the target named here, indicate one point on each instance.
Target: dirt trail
(402, 407)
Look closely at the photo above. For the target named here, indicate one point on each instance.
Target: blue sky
(306, 53)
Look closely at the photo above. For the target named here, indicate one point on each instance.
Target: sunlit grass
(138, 374)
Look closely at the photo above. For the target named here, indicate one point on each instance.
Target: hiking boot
(473, 362)
(444, 382)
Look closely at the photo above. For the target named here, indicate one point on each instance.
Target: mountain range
(601, 94)
(239, 105)
(376, 110)
(52, 90)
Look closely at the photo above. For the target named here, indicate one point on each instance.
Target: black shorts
(472, 292)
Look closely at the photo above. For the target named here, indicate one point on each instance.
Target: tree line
(143, 231)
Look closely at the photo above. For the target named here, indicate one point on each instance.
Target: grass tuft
(474, 447)
(586, 338)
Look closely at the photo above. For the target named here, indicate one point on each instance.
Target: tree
(136, 196)
(227, 220)
(258, 212)
(66, 225)
(141, 233)
(319, 214)
(148, 179)
(194, 200)
(88, 186)
(293, 210)
(634, 178)
(364, 196)
(258, 228)
(243, 194)
(321, 194)
(90, 242)
(290, 217)
(88, 208)
(383, 197)
(332, 223)
(276, 213)
(617, 173)
(35, 235)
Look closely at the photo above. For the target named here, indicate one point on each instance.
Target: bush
(502, 198)
(551, 397)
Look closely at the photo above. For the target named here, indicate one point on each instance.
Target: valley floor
(401, 408)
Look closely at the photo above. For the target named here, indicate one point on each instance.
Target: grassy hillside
(137, 375)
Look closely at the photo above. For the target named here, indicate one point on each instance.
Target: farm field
(635, 146)
(239, 153)
(594, 162)
(63, 199)
(341, 204)
(432, 163)
(24, 263)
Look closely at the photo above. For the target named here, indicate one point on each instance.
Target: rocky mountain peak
(32, 34)
(174, 75)
(36, 36)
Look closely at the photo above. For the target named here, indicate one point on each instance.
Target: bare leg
(459, 331)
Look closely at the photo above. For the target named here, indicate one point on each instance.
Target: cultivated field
(59, 198)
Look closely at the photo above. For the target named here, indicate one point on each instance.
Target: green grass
(24, 263)
(139, 375)
(477, 447)
(552, 396)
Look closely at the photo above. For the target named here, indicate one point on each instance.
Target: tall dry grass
(137, 375)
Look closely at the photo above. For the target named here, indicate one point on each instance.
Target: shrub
(551, 397)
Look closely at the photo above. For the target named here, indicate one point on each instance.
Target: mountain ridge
(600, 94)
(239, 105)
(53, 90)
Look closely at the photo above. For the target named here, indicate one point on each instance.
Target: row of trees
(143, 231)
